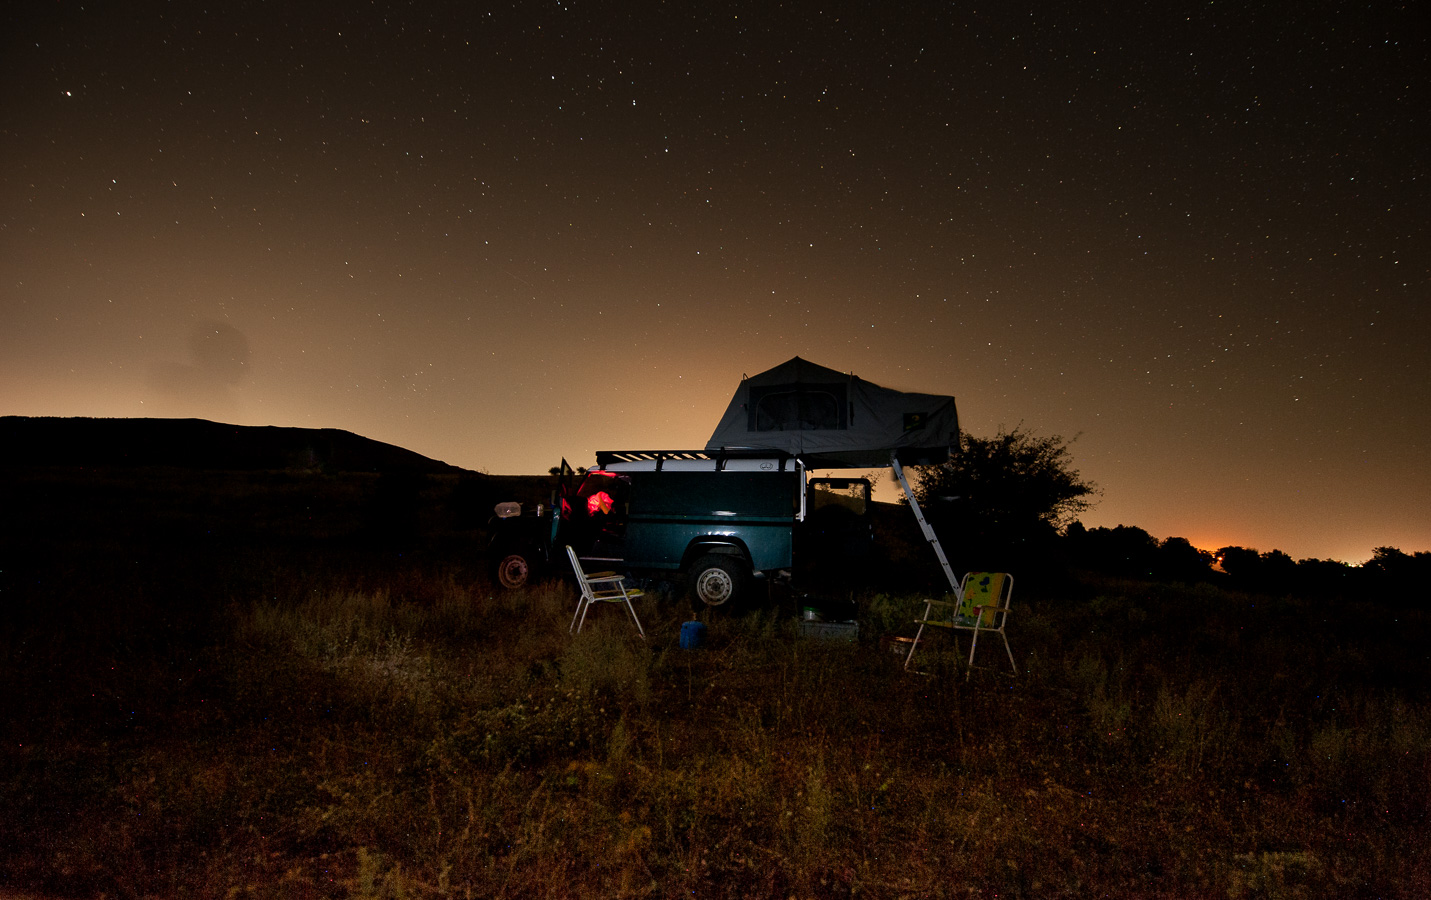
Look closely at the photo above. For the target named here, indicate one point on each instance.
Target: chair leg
(578, 620)
(973, 645)
(910, 655)
(580, 606)
(631, 609)
(1010, 651)
(918, 634)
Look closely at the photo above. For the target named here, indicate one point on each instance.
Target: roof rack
(692, 460)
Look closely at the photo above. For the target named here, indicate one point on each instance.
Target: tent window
(802, 409)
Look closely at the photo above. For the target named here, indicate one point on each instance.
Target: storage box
(831, 631)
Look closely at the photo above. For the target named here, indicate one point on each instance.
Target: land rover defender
(722, 522)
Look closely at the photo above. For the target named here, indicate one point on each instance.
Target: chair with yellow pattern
(981, 606)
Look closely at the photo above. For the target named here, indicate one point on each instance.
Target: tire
(513, 571)
(717, 580)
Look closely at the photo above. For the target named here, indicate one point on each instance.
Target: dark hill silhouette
(200, 444)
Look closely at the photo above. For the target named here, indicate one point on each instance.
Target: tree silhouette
(1270, 572)
(1178, 560)
(1123, 550)
(1000, 499)
(1401, 576)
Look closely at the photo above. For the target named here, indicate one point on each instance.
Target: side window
(851, 494)
(806, 408)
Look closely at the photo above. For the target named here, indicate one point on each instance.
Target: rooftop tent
(833, 420)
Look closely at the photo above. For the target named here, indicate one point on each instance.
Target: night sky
(1192, 236)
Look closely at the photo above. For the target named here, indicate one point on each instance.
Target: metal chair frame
(600, 587)
(981, 606)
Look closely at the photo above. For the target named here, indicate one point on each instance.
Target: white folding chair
(600, 587)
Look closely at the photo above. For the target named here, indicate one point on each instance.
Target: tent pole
(929, 534)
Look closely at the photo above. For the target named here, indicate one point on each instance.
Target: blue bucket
(693, 634)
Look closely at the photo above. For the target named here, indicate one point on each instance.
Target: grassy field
(188, 716)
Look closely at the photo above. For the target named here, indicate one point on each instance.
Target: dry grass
(403, 731)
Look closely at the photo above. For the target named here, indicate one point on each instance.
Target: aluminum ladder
(929, 534)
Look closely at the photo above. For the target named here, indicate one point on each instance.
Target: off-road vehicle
(724, 523)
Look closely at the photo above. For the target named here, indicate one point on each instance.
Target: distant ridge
(200, 444)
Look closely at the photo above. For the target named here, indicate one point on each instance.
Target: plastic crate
(831, 631)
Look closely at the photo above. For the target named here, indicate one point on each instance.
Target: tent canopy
(833, 420)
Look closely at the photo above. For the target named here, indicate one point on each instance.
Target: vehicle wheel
(716, 580)
(514, 571)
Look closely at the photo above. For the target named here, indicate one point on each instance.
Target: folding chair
(600, 587)
(982, 605)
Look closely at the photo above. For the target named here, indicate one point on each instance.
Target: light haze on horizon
(1194, 240)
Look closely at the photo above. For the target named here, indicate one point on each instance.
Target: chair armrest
(935, 622)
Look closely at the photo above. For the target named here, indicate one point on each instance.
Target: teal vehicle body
(723, 522)
(675, 514)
